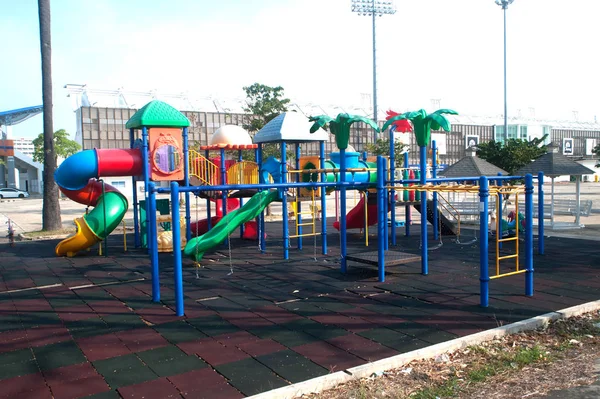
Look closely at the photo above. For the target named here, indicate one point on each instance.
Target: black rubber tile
(18, 356)
(9, 323)
(65, 301)
(87, 328)
(329, 304)
(250, 376)
(93, 294)
(393, 339)
(124, 370)
(249, 301)
(105, 395)
(123, 322)
(292, 366)
(170, 360)
(304, 308)
(315, 329)
(58, 355)
(18, 369)
(284, 336)
(179, 331)
(213, 325)
(35, 319)
(224, 305)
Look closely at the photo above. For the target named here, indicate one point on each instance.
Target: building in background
(23, 145)
(18, 170)
(102, 114)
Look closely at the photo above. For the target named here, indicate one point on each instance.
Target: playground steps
(392, 258)
(448, 228)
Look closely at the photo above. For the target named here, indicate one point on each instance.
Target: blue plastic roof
(15, 116)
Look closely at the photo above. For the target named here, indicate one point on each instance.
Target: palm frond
(439, 120)
(394, 119)
(320, 122)
(445, 111)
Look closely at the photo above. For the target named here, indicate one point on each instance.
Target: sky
(317, 50)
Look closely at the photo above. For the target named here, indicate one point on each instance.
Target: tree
(513, 155)
(63, 146)
(596, 152)
(51, 219)
(382, 147)
(264, 103)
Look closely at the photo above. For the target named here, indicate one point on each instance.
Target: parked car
(13, 193)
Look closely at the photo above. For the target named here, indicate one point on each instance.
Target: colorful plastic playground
(193, 309)
(162, 154)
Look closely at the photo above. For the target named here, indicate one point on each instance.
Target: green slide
(116, 207)
(215, 236)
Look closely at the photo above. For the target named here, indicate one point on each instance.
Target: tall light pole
(504, 4)
(374, 8)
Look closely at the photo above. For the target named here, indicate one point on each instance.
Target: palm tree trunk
(51, 209)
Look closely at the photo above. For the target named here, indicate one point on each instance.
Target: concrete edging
(329, 381)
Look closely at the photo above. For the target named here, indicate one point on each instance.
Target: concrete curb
(331, 380)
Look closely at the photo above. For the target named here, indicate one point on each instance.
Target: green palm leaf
(439, 120)
(394, 119)
(445, 111)
(320, 122)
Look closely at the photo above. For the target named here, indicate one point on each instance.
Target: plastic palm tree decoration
(423, 123)
(340, 126)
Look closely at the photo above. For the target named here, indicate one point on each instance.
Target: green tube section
(363, 177)
(115, 205)
(215, 236)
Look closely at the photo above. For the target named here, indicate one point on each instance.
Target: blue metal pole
(176, 231)
(407, 209)
(381, 218)
(146, 173)
(136, 220)
(528, 234)
(392, 192)
(208, 210)
(435, 195)
(261, 218)
(386, 231)
(186, 171)
(499, 215)
(343, 242)
(284, 209)
(223, 192)
(424, 254)
(298, 203)
(541, 213)
(323, 199)
(151, 240)
(484, 274)
(241, 159)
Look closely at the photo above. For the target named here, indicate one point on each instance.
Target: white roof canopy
(289, 127)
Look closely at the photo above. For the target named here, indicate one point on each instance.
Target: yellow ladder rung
(305, 235)
(304, 213)
(508, 239)
(305, 224)
(508, 257)
(508, 274)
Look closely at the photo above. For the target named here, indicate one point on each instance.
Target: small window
(118, 184)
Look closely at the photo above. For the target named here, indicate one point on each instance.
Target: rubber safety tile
(213, 386)
(124, 370)
(292, 366)
(250, 376)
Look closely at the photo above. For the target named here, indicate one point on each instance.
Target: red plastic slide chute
(356, 217)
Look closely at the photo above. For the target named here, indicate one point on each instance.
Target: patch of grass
(445, 390)
(47, 233)
(480, 374)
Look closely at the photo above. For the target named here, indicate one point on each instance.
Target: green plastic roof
(157, 114)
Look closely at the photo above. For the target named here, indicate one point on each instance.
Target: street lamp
(374, 8)
(504, 4)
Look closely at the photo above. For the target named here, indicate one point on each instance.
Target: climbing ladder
(203, 170)
(313, 213)
(500, 240)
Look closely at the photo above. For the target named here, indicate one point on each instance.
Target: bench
(566, 207)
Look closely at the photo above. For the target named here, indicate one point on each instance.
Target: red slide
(200, 227)
(356, 217)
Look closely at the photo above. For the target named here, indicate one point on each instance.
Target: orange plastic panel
(166, 154)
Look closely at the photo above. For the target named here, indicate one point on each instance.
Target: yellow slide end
(84, 238)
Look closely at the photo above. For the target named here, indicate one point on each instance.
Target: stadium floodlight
(374, 8)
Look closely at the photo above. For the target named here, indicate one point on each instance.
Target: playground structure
(162, 154)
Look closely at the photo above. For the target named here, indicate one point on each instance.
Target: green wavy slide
(215, 236)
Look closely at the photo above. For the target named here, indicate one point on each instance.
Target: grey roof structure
(289, 127)
(555, 164)
(471, 166)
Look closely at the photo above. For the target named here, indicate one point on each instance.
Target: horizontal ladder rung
(508, 256)
(305, 224)
(508, 274)
(305, 235)
(508, 239)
